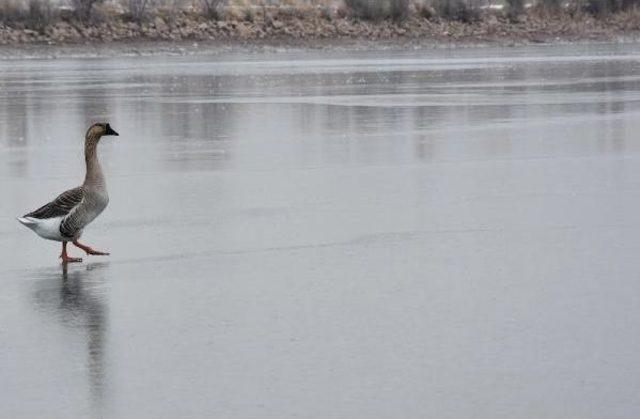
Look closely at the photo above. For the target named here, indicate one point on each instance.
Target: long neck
(94, 176)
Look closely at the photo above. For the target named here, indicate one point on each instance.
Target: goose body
(65, 218)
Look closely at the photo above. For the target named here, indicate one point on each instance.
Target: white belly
(46, 228)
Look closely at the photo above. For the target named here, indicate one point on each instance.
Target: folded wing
(61, 206)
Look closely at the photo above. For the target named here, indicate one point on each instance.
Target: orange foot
(89, 250)
(68, 259)
(65, 257)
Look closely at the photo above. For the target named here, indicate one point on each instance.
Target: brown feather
(61, 206)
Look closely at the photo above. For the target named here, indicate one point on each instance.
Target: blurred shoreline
(185, 32)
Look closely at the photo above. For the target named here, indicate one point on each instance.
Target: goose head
(99, 130)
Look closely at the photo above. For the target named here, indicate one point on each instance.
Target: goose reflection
(76, 298)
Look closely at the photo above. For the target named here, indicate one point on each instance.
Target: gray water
(444, 234)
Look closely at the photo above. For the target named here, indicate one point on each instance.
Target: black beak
(110, 131)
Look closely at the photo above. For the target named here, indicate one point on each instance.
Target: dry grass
(38, 14)
(457, 10)
(213, 8)
(12, 10)
(32, 14)
(377, 10)
(84, 8)
(137, 9)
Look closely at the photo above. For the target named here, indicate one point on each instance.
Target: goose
(64, 218)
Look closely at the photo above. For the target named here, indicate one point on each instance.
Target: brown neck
(94, 175)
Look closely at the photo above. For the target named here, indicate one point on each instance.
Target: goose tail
(27, 222)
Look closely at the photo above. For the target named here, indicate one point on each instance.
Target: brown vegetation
(376, 10)
(84, 8)
(37, 21)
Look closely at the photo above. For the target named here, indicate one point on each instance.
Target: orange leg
(89, 250)
(65, 257)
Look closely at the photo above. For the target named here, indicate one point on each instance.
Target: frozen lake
(431, 234)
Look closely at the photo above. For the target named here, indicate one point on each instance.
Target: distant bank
(316, 28)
